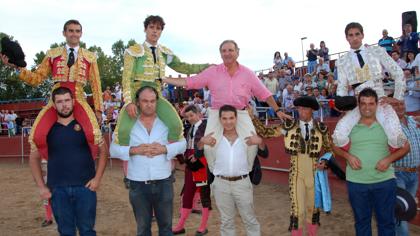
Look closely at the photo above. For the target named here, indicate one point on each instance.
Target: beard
(65, 115)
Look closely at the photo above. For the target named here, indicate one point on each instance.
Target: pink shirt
(224, 89)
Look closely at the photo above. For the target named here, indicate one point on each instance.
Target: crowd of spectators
(284, 83)
(320, 80)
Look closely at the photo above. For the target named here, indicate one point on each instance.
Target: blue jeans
(156, 198)
(73, 207)
(311, 66)
(408, 181)
(379, 197)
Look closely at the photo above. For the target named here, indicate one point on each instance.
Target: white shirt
(76, 50)
(191, 140)
(142, 168)
(354, 55)
(303, 127)
(231, 160)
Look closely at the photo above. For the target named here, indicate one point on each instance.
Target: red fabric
(50, 117)
(201, 174)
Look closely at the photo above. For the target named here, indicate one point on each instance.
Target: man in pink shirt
(233, 84)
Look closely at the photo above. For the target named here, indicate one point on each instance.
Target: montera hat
(306, 101)
(405, 207)
(345, 103)
(13, 51)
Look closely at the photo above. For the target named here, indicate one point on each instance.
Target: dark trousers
(155, 197)
(379, 198)
(74, 207)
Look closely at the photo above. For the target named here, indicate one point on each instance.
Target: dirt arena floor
(22, 212)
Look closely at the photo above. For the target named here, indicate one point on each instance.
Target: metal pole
(110, 140)
(21, 146)
(303, 55)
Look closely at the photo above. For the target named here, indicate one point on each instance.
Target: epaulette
(165, 50)
(136, 50)
(55, 52)
(88, 55)
(323, 128)
(289, 124)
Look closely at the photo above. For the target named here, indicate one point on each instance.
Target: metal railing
(22, 154)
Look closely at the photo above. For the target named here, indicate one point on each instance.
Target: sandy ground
(21, 211)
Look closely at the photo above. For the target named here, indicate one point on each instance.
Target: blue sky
(194, 29)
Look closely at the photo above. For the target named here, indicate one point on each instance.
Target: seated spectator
(308, 82)
(316, 114)
(287, 59)
(416, 65)
(396, 56)
(322, 66)
(272, 84)
(309, 91)
(321, 80)
(410, 57)
(330, 82)
(297, 85)
(287, 92)
(278, 61)
(323, 52)
(386, 41)
(412, 97)
(324, 105)
(334, 112)
(288, 102)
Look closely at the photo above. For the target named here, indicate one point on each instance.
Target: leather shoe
(45, 223)
(198, 233)
(181, 231)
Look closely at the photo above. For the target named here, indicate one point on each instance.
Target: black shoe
(181, 231)
(195, 211)
(198, 233)
(45, 223)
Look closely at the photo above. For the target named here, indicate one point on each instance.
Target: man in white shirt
(232, 187)
(149, 156)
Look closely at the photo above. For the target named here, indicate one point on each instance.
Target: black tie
(154, 53)
(307, 131)
(360, 58)
(192, 132)
(70, 62)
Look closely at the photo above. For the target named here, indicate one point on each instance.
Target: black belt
(232, 178)
(151, 181)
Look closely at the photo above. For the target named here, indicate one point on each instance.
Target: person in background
(386, 42)
(406, 169)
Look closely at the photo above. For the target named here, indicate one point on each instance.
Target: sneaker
(45, 223)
